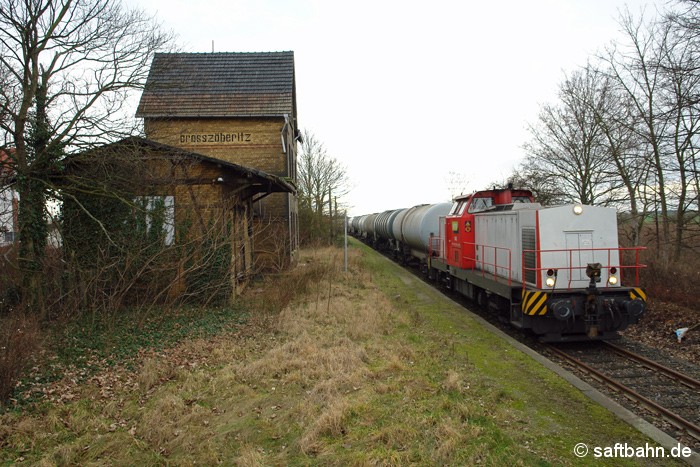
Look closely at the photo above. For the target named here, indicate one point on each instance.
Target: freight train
(557, 271)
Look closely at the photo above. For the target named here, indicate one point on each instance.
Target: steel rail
(671, 417)
(652, 365)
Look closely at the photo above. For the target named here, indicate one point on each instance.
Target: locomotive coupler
(593, 273)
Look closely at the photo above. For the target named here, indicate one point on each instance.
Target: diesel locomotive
(557, 271)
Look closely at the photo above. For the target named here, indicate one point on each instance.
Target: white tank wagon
(419, 224)
(354, 225)
(395, 233)
(383, 224)
(382, 228)
(367, 226)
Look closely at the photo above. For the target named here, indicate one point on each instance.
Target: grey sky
(404, 92)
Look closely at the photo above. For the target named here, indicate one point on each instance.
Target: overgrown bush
(277, 291)
(663, 278)
(208, 267)
(674, 283)
(20, 338)
(9, 280)
(318, 231)
(115, 251)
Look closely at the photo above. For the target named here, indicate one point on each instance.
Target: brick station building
(239, 108)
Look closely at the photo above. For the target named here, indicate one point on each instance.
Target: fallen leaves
(657, 329)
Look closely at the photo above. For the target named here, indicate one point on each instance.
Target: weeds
(675, 285)
(20, 338)
(85, 345)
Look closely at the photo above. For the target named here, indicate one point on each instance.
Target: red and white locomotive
(558, 271)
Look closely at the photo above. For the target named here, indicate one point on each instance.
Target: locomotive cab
(460, 245)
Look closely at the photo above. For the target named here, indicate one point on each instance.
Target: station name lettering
(195, 138)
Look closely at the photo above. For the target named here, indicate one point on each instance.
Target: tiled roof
(259, 84)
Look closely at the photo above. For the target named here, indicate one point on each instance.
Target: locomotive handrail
(439, 242)
(636, 267)
(495, 265)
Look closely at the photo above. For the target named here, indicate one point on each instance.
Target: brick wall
(250, 142)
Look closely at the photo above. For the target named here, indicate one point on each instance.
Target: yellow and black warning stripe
(534, 302)
(639, 293)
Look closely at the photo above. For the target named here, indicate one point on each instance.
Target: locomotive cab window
(458, 208)
(480, 204)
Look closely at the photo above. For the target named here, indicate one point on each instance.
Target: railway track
(669, 394)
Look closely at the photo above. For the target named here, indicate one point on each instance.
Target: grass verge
(80, 348)
(368, 366)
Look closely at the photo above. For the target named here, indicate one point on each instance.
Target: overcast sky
(405, 92)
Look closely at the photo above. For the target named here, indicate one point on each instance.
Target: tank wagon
(557, 271)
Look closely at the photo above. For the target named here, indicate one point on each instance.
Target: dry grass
(335, 374)
(322, 349)
(330, 422)
(154, 371)
(453, 382)
(250, 456)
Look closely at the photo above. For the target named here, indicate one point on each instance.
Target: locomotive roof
(491, 193)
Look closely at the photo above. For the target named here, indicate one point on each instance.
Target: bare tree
(686, 16)
(634, 66)
(657, 69)
(625, 131)
(568, 143)
(67, 68)
(615, 115)
(456, 183)
(544, 185)
(680, 62)
(322, 179)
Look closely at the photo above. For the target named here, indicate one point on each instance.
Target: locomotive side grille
(529, 243)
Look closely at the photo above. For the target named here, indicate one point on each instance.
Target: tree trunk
(33, 233)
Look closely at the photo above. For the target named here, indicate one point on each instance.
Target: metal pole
(346, 241)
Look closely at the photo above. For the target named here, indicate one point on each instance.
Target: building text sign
(215, 138)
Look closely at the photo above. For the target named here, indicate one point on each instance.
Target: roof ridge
(228, 53)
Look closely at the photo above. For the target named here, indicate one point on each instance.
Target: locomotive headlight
(550, 282)
(578, 209)
(551, 279)
(612, 280)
